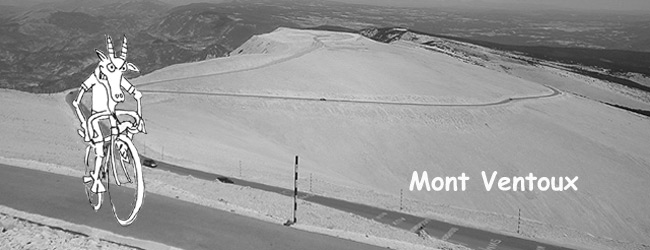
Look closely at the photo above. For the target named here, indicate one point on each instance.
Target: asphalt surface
(469, 237)
(165, 220)
(555, 92)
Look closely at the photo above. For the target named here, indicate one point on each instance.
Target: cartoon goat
(106, 83)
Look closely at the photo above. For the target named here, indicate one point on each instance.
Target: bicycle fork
(109, 156)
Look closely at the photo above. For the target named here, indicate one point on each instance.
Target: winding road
(473, 238)
(554, 92)
(470, 237)
(318, 45)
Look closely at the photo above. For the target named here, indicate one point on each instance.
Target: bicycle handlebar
(128, 126)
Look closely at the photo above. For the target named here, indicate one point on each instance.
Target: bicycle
(130, 174)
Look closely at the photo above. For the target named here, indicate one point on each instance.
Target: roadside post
(295, 195)
(400, 199)
(295, 192)
(519, 221)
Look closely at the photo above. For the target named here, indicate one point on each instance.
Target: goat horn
(109, 46)
(123, 54)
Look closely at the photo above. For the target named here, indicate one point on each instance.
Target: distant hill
(612, 62)
(49, 48)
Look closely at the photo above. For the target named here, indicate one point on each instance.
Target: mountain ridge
(48, 49)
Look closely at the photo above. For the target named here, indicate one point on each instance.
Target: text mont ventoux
(515, 183)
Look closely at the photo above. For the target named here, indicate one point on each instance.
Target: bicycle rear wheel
(128, 194)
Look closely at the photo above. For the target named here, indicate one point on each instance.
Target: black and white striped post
(519, 221)
(400, 199)
(295, 191)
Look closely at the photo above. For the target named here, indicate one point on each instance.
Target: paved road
(165, 220)
(302, 53)
(470, 237)
(293, 98)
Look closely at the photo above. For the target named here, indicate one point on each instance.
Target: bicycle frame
(122, 128)
(121, 132)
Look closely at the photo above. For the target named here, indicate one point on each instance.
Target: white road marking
(398, 221)
(380, 216)
(492, 245)
(449, 233)
(417, 226)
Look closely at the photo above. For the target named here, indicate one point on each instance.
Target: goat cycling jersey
(102, 94)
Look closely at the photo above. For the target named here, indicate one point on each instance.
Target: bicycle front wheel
(127, 196)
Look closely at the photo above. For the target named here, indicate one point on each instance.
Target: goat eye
(111, 67)
(122, 68)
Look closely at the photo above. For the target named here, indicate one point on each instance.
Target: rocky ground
(16, 233)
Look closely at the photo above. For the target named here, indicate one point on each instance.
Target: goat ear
(132, 67)
(101, 55)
